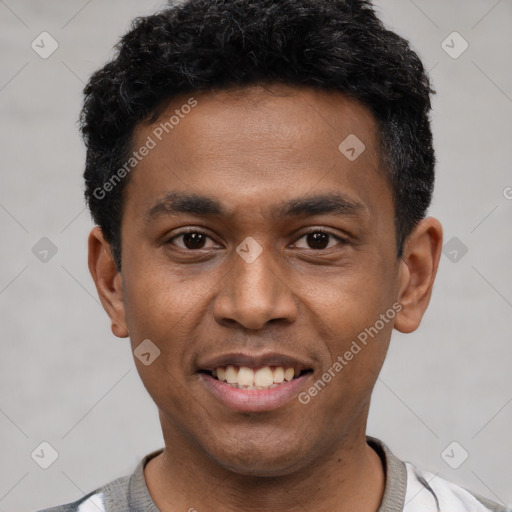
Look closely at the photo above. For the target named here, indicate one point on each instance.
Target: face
(249, 239)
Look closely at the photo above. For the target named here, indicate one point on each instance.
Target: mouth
(260, 378)
(254, 383)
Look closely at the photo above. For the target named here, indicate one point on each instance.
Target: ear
(108, 281)
(417, 272)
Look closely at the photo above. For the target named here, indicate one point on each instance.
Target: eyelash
(310, 231)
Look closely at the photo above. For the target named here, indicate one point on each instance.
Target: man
(259, 172)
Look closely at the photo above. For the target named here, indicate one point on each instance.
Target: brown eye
(191, 240)
(319, 240)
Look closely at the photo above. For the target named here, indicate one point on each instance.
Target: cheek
(357, 350)
(358, 346)
(165, 385)
(158, 298)
(161, 312)
(351, 300)
(355, 318)
(164, 308)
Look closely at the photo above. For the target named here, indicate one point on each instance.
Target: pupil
(193, 240)
(318, 240)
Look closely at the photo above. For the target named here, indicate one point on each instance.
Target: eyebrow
(175, 203)
(334, 203)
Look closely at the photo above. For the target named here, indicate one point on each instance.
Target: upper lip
(255, 360)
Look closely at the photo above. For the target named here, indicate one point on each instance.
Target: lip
(256, 361)
(254, 400)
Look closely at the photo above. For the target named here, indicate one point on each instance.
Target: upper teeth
(246, 377)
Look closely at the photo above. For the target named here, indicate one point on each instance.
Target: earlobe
(108, 281)
(417, 272)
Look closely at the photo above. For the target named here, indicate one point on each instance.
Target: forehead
(260, 142)
(282, 116)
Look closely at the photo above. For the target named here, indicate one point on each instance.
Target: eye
(190, 240)
(318, 239)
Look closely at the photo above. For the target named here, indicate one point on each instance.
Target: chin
(259, 460)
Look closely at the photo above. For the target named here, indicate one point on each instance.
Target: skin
(251, 149)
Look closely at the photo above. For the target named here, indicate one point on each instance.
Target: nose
(254, 294)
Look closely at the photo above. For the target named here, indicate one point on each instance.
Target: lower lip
(253, 400)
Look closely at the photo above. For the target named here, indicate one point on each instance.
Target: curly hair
(332, 45)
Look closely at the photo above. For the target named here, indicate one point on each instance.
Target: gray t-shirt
(407, 489)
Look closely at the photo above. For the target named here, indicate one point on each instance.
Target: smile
(265, 377)
(246, 383)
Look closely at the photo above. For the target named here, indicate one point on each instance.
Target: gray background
(65, 379)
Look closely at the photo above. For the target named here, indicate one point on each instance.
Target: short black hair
(195, 45)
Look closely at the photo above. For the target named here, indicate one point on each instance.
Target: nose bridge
(256, 278)
(254, 293)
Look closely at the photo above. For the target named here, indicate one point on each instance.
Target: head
(260, 172)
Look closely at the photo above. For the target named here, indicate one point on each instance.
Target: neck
(349, 477)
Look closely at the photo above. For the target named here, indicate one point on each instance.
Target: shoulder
(96, 500)
(412, 489)
(126, 493)
(426, 491)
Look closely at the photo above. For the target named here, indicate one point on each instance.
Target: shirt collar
(393, 498)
